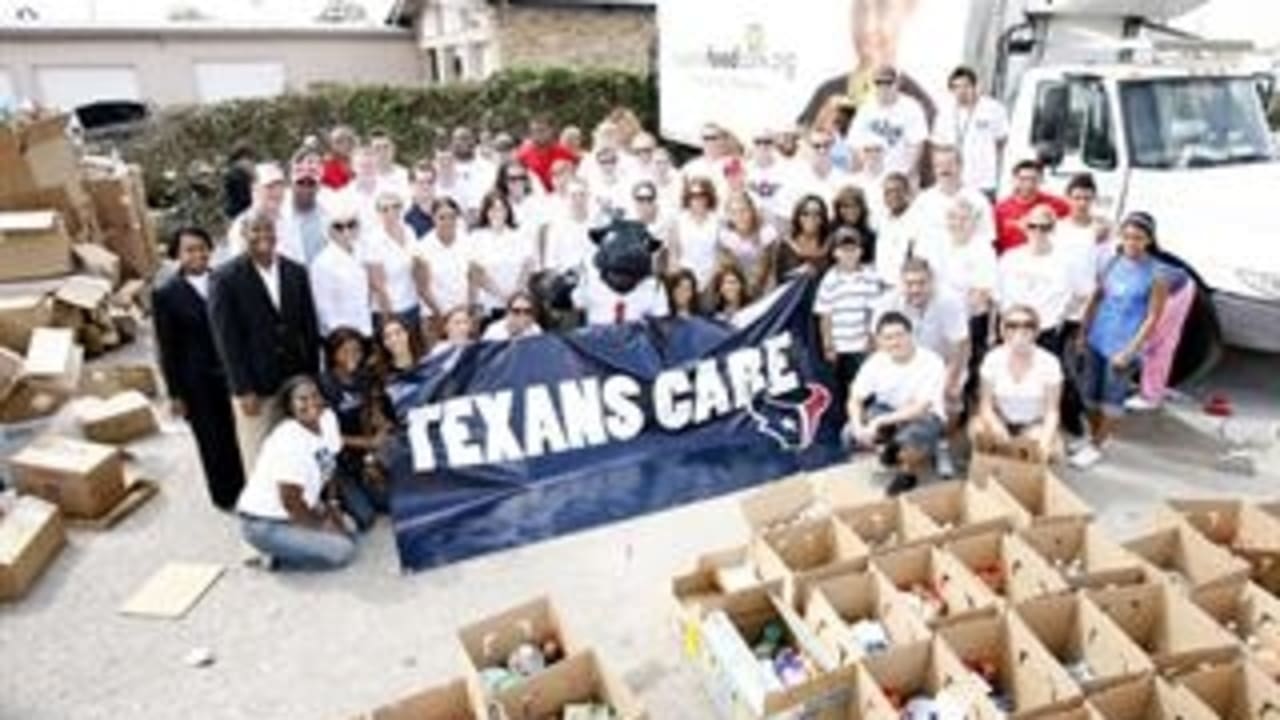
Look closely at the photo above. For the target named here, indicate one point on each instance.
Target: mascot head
(624, 254)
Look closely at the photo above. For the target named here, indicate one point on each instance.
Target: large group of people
(941, 308)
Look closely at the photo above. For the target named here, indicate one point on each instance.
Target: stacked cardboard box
(523, 663)
(997, 597)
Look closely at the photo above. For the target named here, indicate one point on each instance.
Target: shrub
(183, 151)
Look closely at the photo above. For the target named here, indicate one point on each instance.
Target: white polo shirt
(291, 455)
(449, 267)
(977, 132)
(340, 287)
(396, 260)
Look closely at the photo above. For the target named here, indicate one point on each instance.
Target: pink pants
(1157, 358)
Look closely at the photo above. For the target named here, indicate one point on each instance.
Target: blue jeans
(292, 547)
(360, 500)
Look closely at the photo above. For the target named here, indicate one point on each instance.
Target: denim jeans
(292, 547)
(360, 500)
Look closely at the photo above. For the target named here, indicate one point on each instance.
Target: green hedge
(182, 153)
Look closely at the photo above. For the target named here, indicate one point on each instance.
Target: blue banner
(511, 443)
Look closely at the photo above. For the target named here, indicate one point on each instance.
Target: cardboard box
(97, 261)
(720, 645)
(35, 155)
(1041, 497)
(1018, 457)
(714, 575)
(1084, 556)
(1239, 527)
(836, 604)
(1008, 566)
(1150, 698)
(927, 668)
(37, 385)
(1002, 653)
(800, 498)
(805, 553)
(446, 702)
(941, 590)
(962, 508)
(1163, 622)
(576, 680)
(1251, 614)
(19, 317)
(103, 382)
(1179, 554)
(33, 244)
(889, 523)
(31, 534)
(120, 204)
(490, 641)
(84, 479)
(121, 419)
(1239, 691)
(70, 201)
(1084, 641)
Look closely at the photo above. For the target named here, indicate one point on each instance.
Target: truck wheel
(1200, 347)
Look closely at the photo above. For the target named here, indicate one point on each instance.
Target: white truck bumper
(1248, 323)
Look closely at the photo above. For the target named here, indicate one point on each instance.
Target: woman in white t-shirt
(288, 512)
(697, 231)
(745, 242)
(447, 255)
(504, 254)
(564, 243)
(390, 252)
(1021, 387)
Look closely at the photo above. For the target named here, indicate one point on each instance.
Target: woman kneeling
(1021, 386)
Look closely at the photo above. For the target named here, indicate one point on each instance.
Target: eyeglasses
(711, 138)
(1012, 325)
(820, 145)
(390, 208)
(1040, 227)
(344, 226)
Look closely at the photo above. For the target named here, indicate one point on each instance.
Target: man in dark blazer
(264, 325)
(192, 368)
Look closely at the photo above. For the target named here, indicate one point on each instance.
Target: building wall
(164, 61)
(617, 37)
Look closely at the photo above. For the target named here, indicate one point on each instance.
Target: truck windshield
(1195, 122)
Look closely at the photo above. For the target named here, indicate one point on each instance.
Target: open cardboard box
(1238, 691)
(118, 420)
(889, 523)
(1252, 615)
(713, 576)
(84, 479)
(800, 498)
(929, 668)
(804, 553)
(1178, 553)
(1239, 527)
(578, 679)
(1008, 566)
(838, 603)
(1149, 698)
(1078, 634)
(1163, 622)
(20, 316)
(720, 645)
(924, 570)
(37, 385)
(1084, 555)
(31, 535)
(1014, 663)
(487, 643)
(1036, 497)
(450, 701)
(962, 508)
(33, 244)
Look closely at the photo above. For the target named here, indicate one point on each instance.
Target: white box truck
(1166, 123)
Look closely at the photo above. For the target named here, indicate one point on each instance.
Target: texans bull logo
(793, 425)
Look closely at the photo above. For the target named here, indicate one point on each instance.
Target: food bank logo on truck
(748, 59)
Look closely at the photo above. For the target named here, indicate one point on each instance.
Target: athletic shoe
(902, 482)
(944, 464)
(1137, 403)
(1086, 457)
(1074, 444)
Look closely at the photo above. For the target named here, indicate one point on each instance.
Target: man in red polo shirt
(1027, 176)
(336, 171)
(541, 150)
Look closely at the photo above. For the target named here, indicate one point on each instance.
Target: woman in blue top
(1131, 293)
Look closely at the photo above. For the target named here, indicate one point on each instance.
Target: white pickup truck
(1169, 124)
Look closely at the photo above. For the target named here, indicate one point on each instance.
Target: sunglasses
(390, 208)
(883, 83)
(608, 161)
(306, 182)
(821, 146)
(520, 310)
(1019, 325)
(763, 142)
(344, 226)
(646, 198)
(711, 138)
(517, 178)
(1040, 227)
(811, 212)
(696, 194)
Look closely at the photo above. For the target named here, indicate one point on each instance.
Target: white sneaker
(1137, 403)
(944, 463)
(1086, 457)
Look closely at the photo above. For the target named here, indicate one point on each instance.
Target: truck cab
(1188, 144)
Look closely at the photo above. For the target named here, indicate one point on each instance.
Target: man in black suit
(264, 324)
(192, 368)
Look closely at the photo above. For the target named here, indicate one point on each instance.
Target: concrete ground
(328, 646)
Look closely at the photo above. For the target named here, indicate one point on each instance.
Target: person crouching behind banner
(459, 331)
(682, 293)
(399, 352)
(289, 511)
(520, 320)
(896, 402)
(347, 387)
(729, 294)
(1020, 387)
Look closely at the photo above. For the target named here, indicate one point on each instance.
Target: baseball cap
(267, 173)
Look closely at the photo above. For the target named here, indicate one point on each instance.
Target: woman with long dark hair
(192, 368)
(347, 386)
(806, 248)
